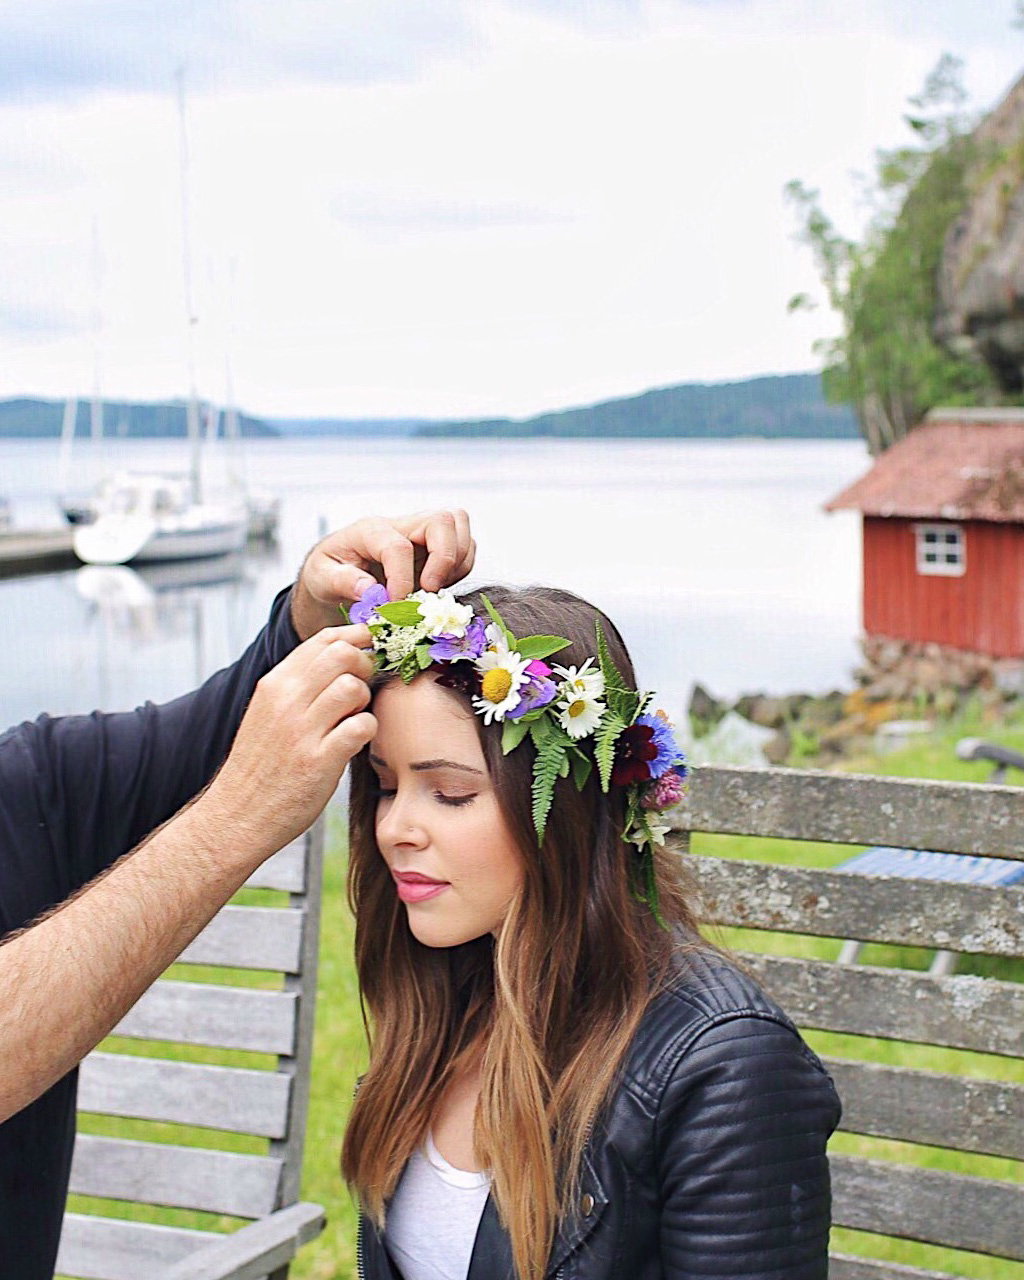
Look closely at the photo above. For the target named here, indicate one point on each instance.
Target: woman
(564, 1079)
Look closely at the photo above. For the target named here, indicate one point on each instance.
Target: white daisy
(495, 637)
(579, 714)
(502, 676)
(443, 614)
(586, 680)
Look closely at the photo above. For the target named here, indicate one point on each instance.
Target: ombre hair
(552, 1001)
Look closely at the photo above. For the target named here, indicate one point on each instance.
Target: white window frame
(945, 537)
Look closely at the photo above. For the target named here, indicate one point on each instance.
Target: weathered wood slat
(109, 1249)
(250, 938)
(836, 904)
(236, 1099)
(285, 870)
(223, 1017)
(175, 1177)
(258, 1248)
(951, 817)
(960, 1012)
(842, 1266)
(983, 1116)
(978, 1214)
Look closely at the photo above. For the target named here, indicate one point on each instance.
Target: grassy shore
(339, 1049)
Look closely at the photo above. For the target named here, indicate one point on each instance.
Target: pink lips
(413, 887)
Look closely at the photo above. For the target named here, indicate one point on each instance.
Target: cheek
(493, 860)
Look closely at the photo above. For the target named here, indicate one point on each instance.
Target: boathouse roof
(959, 464)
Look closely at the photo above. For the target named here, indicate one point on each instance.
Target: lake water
(714, 558)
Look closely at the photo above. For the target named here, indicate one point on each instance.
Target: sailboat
(144, 517)
(152, 516)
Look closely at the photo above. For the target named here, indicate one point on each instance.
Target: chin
(436, 935)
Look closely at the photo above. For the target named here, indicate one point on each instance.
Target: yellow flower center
(496, 684)
(577, 708)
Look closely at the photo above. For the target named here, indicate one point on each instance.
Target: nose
(397, 825)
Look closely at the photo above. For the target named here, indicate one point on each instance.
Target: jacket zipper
(360, 1269)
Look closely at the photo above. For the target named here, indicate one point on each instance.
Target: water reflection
(200, 611)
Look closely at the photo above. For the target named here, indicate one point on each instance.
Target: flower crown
(558, 708)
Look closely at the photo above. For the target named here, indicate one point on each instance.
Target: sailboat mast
(192, 408)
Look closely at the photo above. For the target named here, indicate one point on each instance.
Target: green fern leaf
(608, 732)
(551, 758)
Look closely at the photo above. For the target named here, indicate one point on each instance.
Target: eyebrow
(424, 766)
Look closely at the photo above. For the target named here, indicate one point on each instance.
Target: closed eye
(454, 801)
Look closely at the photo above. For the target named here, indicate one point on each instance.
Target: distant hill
(789, 406)
(41, 419)
(348, 426)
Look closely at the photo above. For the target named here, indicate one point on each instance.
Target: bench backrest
(258, 1088)
(886, 1093)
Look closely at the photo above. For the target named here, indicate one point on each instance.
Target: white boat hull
(129, 539)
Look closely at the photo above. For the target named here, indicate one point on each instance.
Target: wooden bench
(262, 1091)
(887, 1016)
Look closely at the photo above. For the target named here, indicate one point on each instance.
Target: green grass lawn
(339, 1048)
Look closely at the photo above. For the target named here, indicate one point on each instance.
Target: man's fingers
(345, 696)
(440, 536)
(350, 736)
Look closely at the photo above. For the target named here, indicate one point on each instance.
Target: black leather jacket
(710, 1159)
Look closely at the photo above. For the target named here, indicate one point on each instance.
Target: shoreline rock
(896, 681)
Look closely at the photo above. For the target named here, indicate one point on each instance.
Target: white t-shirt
(434, 1216)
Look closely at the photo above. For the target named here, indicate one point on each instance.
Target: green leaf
(608, 732)
(563, 768)
(551, 757)
(409, 667)
(581, 767)
(612, 677)
(496, 618)
(536, 647)
(343, 610)
(423, 658)
(512, 734)
(402, 613)
(625, 703)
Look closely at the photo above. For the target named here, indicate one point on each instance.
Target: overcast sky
(440, 207)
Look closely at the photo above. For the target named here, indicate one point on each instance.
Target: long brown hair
(552, 1002)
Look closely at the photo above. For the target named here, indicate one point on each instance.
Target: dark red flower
(461, 676)
(634, 748)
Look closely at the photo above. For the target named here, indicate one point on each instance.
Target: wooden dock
(35, 551)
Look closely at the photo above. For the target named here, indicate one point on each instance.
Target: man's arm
(66, 981)
(75, 794)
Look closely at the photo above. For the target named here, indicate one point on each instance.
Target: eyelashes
(453, 802)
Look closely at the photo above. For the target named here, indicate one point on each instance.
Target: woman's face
(439, 828)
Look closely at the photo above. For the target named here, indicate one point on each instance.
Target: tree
(887, 363)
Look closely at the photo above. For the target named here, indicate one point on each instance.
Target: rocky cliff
(980, 309)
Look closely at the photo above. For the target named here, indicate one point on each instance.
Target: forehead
(415, 721)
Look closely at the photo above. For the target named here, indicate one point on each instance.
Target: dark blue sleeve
(742, 1166)
(79, 791)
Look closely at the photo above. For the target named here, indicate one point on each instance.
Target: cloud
(384, 214)
(32, 322)
(64, 49)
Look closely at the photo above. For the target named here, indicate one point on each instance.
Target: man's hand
(305, 722)
(430, 550)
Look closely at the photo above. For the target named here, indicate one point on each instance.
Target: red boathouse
(944, 533)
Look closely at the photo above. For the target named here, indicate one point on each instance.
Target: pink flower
(666, 791)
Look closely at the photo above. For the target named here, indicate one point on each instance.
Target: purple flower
(453, 648)
(538, 691)
(366, 606)
(667, 753)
